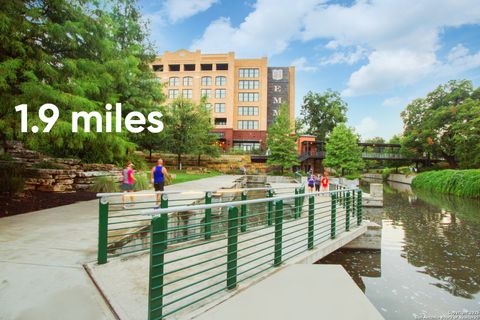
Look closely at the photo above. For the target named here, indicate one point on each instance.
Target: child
(311, 183)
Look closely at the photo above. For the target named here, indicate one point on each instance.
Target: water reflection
(430, 259)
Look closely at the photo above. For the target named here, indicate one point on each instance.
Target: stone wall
(69, 175)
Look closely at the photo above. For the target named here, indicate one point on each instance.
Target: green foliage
(12, 176)
(445, 124)
(281, 143)
(142, 181)
(465, 183)
(78, 56)
(386, 172)
(104, 184)
(342, 151)
(323, 112)
(187, 129)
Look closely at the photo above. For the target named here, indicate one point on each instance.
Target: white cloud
(387, 69)
(403, 37)
(301, 65)
(348, 57)
(392, 102)
(177, 10)
(366, 127)
(459, 60)
(264, 32)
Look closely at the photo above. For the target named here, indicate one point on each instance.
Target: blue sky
(379, 54)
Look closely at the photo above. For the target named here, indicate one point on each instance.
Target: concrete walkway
(42, 256)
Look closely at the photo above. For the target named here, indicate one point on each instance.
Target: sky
(379, 54)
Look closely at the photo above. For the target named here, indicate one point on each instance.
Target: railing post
(347, 212)
(243, 218)
(359, 207)
(159, 229)
(296, 203)
(354, 200)
(208, 216)
(232, 248)
(311, 212)
(270, 209)
(278, 233)
(102, 230)
(333, 216)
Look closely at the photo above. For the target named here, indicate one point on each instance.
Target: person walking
(311, 183)
(157, 178)
(325, 182)
(128, 182)
(317, 183)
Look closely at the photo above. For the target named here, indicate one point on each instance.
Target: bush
(12, 176)
(142, 182)
(386, 172)
(464, 183)
(105, 184)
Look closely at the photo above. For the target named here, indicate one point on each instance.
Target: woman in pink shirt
(128, 182)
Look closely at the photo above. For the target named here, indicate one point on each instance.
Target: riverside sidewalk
(42, 255)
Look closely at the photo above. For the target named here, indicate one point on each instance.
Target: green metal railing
(125, 228)
(184, 276)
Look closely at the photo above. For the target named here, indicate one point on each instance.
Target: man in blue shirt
(157, 177)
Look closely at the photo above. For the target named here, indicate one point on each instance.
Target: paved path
(42, 255)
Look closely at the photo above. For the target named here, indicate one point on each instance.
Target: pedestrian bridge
(181, 261)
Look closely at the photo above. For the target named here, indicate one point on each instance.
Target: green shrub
(386, 172)
(12, 176)
(464, 183)
(105, 184)
(142, 182)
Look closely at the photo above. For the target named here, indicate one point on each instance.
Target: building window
(248, 96)
(206, 93)
(220, 107)
(248, 111)
(246, 146)
(247, 124)
(172, 94)
(173, 67)
(248, 84)
(206, 67)
(173, 82)
(188, 67)
(220, 81)
(187, 81)
(248, 73)
(187, 93)
(157, 67)
(206, 81)
(222, 66)
(220, 93)
(220, 121)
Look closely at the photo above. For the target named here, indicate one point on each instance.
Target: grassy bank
(182, 176)
(463, 183)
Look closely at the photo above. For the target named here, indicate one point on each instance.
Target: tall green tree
(281, 142)
(323, 112)
(67, 53)
(445, 124)
(342, 151)
(187, 129)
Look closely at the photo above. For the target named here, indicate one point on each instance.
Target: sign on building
(278, 91)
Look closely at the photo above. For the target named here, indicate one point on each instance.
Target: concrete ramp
(298, 292)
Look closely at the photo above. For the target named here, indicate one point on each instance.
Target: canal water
(429, 262)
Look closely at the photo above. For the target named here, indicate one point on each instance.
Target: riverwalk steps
(129, 297)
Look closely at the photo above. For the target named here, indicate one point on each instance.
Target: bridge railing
(125, 225)
(185, 276)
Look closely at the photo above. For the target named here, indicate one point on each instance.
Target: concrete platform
(299, 292)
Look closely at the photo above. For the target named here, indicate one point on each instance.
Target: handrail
(159, 211)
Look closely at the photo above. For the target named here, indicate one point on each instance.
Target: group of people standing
(315, 181)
